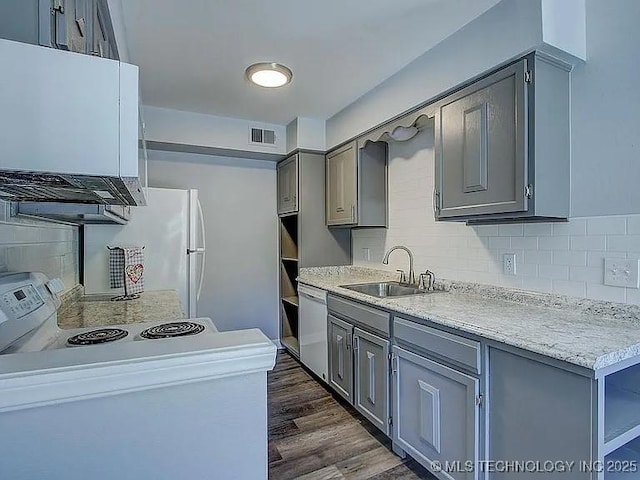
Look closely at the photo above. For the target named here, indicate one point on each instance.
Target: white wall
(504, 31)
(306, 133)
(239, 202)
(605, 96)
(605, 115)
(31, 245)
(198, 129)
(563, 258)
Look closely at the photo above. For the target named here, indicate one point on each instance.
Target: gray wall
(29, 245)
(238, 198)
(605, 96)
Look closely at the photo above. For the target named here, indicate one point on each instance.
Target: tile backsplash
(32, 245)
(563, 258)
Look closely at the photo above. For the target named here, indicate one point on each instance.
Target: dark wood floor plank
(368, 464)
(327, 473)
(314, 435)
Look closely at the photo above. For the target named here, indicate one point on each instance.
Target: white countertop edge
(605, 361)
(49, 387)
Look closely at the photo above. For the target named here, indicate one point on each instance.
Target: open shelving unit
(622, 410)
(305, 241)
(288, 284)
(619, 464)
(622, 424)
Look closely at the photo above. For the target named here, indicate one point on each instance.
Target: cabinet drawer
(371, 317)
(458, 349)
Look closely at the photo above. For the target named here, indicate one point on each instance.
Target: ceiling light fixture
(269, 75)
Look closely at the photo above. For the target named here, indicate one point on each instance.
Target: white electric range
(28, 321)
(132, 393)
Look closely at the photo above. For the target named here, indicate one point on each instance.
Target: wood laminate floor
(314, 436)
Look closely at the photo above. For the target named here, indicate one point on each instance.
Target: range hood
(68, 127)
(77, 214)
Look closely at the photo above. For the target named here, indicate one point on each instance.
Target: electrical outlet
(366, 254)
(620, 272)
(509, 263)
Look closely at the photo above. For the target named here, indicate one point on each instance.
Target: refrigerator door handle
(202, 250)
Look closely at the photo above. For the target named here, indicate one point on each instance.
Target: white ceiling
(192, 54)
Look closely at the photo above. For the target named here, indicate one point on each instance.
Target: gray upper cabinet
(371, 370)
(288, 185)
(101, 44)
(342, 185)
(435, 413)
(502, 145)
(356, 192)
(82, 26)
(28, 21)
(72, 28)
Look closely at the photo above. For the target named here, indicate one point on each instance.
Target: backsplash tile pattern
(564, 258)
(27, 245)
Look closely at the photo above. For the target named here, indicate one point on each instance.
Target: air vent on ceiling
(259, 136)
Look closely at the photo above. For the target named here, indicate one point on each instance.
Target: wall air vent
(259, 136)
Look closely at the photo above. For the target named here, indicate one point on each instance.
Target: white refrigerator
(171, 230)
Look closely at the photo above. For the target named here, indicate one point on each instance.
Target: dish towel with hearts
(126, 269)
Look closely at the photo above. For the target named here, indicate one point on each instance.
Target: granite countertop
(586, 333)
(96, 310)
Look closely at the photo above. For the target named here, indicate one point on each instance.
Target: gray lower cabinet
(502, 145)
(371, 370)
(341, 357)
(540, 412)
(356, 191)
(359, 365)
(436, 418)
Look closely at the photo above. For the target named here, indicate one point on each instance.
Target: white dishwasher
(312, 330)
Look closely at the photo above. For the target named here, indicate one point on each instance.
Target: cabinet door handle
(372, 377)
(436, 203)
(60, 26)
(339, 210)
(81, 23)
(353, 213)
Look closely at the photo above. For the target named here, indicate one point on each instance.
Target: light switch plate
(620, 272)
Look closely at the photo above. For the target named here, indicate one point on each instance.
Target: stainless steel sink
(385, 289)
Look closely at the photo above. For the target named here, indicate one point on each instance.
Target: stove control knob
(55, 286)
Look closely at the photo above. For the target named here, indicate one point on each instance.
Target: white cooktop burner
(107, 335)
(95, 337)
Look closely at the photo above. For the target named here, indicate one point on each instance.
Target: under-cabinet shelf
(289, 236)
(621, 408)
(620, 464)
(622, 416)
(292, 344)
(293, 300)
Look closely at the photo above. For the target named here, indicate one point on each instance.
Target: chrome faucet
(385, 260)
